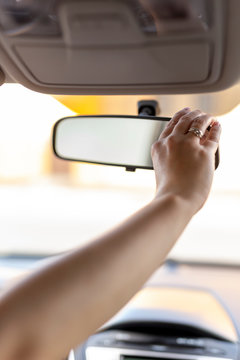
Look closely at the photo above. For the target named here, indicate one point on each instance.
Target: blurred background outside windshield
(50, 205)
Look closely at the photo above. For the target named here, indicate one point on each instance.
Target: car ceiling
(119, 47)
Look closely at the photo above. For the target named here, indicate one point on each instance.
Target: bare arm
(59, 306)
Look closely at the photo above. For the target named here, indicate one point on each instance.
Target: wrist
(185, 206)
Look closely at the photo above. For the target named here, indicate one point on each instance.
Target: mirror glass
(112, 140)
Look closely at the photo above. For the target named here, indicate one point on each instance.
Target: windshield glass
(50, 205)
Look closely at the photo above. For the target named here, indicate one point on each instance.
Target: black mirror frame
(127, 167)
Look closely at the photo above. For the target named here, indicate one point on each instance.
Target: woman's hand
(184, 164)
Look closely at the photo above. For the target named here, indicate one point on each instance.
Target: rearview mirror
(110, 140)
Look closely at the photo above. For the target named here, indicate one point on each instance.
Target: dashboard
(186, 311)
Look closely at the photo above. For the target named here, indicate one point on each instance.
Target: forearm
(61, 305)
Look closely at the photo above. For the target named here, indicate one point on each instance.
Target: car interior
(94, 76)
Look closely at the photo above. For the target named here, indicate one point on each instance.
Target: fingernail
(216, 123)
(186, 108)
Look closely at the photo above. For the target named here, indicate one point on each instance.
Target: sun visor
(118, 46)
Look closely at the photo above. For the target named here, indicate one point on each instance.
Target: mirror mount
(148, 108)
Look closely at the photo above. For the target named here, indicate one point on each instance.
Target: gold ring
(196, 132)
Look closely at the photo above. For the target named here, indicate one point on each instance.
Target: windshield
(50, 205)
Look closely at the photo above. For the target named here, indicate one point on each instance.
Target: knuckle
(190, 115)
(198, 112)
(203, 154)
(170, 124)
(171, 140)
(186, 117)
(202, 116)
(182, 111)
(198, 120)
(154, 147)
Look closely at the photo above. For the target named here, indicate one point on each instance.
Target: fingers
(184, 123)
(170, 126)
(196, 119)
(201, 122)
(184, 119)
(213, 138)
